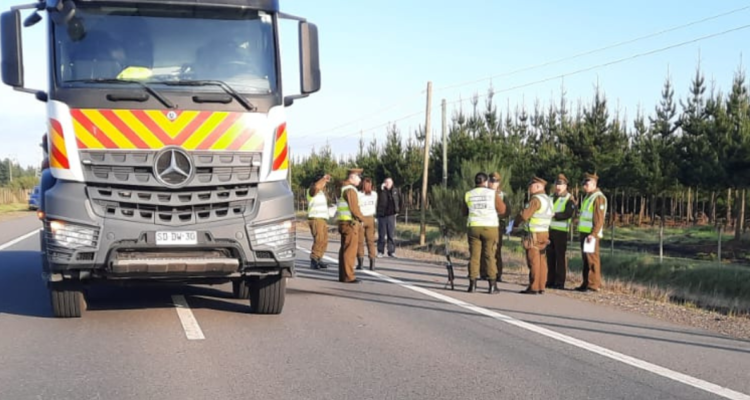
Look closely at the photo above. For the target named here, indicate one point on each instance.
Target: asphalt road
(398, 335)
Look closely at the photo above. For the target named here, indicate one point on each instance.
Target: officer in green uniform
(482, 206)
(537, 216)
(317, 218)
(350, 218)
(591, 231)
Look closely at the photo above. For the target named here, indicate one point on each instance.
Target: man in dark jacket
(389, 206)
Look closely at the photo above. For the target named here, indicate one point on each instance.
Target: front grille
(183, 207)
(136, 168)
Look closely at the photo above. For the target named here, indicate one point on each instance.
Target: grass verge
(704, 285)
(14, 207)
(693, 283)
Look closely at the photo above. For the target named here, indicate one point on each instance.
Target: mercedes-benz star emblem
(173, 167)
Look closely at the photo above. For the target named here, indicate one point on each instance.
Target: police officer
(591, 230)
(368, 200)
(482, 206)
(564, 208)
(317, 218)
(538, 216)
(350, 217)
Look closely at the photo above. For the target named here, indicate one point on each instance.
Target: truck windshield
(167, 43)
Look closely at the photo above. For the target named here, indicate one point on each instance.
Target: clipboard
(589, 246)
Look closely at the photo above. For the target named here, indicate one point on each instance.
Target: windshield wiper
(145, 87)
(194, 82)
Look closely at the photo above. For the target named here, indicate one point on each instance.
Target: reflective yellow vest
(481, 204)
(368, 203)
(586, 223)
(317, 206)
(345, 214)
(558, 208)
(542, 218)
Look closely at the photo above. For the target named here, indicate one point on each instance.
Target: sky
(377, 57)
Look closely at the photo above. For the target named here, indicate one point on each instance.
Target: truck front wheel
(267, 294)
(67, 301)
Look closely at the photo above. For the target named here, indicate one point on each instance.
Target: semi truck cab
(167, 143)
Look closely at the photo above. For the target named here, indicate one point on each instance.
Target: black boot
(372, 264)
(322, 264)
(360, 260)
(472, 285)
(493, 288)
(314, 264)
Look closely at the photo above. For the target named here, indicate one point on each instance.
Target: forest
(685, 162)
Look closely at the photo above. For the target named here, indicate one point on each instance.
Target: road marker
(19, 239)
(189, 323)
(625, 359)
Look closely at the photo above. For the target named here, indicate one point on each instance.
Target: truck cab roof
(265, 5)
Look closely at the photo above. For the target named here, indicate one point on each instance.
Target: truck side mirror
(309, 61)
(12, 63)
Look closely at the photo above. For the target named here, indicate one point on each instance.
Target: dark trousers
(557, 263)
(387, 227)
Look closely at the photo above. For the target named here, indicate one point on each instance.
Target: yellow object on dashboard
(136, 73)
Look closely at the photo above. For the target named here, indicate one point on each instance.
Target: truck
(167, 144)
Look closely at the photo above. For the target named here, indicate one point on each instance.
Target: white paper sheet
(589, 246)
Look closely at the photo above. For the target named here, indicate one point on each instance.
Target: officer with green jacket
(482, 206)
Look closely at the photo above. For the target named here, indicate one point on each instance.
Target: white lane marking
(189, 323)
(19, 239)
(632, 361)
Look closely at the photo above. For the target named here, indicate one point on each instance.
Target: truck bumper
(79, 243)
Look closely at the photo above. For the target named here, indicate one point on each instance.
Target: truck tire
(267, 295)
(241, 289)
(67, 302)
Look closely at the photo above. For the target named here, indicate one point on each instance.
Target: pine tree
(737, 161)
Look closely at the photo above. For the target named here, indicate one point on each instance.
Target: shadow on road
(22, 291)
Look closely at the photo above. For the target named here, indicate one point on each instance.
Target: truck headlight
(72, 236)
(274, 235)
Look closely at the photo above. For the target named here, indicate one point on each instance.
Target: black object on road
(449, 265)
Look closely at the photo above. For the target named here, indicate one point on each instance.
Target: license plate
(176, 238)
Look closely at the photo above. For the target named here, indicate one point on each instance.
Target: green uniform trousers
(483, 247)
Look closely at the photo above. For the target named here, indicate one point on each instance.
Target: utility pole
(445, 147)
(427, 128)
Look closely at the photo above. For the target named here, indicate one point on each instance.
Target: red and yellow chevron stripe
(280, 149)
(58, 154)
(152, 129)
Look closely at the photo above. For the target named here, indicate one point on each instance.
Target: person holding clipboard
(591, 231)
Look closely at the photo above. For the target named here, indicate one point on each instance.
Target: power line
(600, 49)
(367, 116)
(579, 71)
(529, 68)
(606, 64)
(368, 129)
